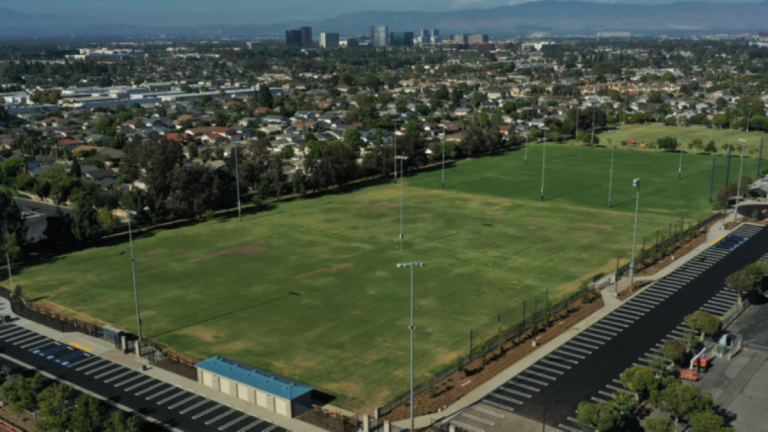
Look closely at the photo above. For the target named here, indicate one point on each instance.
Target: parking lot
(588, 366)
(170, 404)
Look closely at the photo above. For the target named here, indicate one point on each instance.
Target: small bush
(209, 215)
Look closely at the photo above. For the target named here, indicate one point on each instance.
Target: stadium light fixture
(411, 265)
(636, 184)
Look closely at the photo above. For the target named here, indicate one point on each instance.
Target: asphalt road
(35, 213)
(164, 402)
(587, 367)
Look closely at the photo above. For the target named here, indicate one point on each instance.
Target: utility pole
(411, 265)
(402, 234)
(592, 144)
(610, 179)
(133, 268)
(635, 183)
(544, 162)
(237, 177)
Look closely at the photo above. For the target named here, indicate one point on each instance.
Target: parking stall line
(250, 426)
(663, 287)
(568, 428)
(648, 302)
(109, 372)
(188, 409)
(178, 404)
(26, 338)
(211, 409)
(36, 343)
(613, 326)
(570, 354)
(557, 357)
(83, 360)
(588, 333)
(144, 383)
(628, 313)
(532, 380)
(173, 396)
(273, 427)
(589, 339)
(150, 397)
(527, 387)
(508, 399)
(583, 344)
(605, 393)
(654, 296)
(243, 417)
(102, 367)
(497, 405)
(554, 364)
(539, 374)
(32, 340)
(519, 393)
(90, 365)
(671, 336)
(677, 332)
(710, 310)
(720, 302)
(489, 412)
(598, 399)
(6, 333)
(615, 318)
(725, 308)
(119, 376)
(643, 359)
(458, 423)
(219, 417)
(547, 369)
(636, 308)
(478, 419)
(623, 390)
(582, 350)
(124, 382)
(602, 331)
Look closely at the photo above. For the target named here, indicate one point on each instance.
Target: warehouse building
(255, 386)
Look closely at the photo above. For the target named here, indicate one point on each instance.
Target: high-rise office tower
(293, 37)
(329, 40)
(402, 39)
(424, 35)
(306, 36)
(379, 36)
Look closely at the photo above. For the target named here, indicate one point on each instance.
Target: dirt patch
(533, 227)
(179, 251)
(202, 333)
(383, 206)
(500, 212)
(535, 218)
(148, 272)
(153, 252)
(596, 225)
(332, 269)
(250, 249)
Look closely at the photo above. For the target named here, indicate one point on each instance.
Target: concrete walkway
(611, 304)
(107, 350)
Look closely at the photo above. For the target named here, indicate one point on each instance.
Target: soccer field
(223, 287)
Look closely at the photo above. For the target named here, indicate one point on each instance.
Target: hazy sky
(196, 12)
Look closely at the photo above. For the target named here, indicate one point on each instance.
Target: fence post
(366, 423)
(387, 426)
(377, 413)
(451, 428)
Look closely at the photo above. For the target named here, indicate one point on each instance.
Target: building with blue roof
(261, 388)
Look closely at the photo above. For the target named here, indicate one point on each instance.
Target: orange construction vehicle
(698, 363)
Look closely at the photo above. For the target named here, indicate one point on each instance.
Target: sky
(183, 13)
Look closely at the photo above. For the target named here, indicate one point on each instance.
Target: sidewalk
(107, 350)
(611, 304)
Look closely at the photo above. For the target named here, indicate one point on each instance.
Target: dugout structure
(255, 386)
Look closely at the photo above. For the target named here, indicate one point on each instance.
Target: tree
(741, 282)
(338, 165)
(683, 400)
(55, 407)
(707, 421)
(673, 349)
(118, 422)
(58, 228)
(192, 150)
(353, 138)
(11, 222)
(195, 189)
(710, 147)
(667, 143)
(460, 365)
(85, 222)
(153, 162)
(602, 416)
(691, 341)
(704, 322)
(638, 379)
(265, 96)
(372, 82)
(659, 424)
(657, 364)
(696, 145)
(86, 415)
(107, 220)
(75, 170)
(221, 118)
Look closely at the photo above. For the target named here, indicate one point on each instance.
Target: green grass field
(649, 134)
(347, 332)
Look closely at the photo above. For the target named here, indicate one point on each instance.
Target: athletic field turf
(223, 287)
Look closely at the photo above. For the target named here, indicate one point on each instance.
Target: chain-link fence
(50, 319)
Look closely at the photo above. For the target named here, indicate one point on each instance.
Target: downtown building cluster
(381, 36)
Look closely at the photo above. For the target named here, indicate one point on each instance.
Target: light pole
(411, 265)
(635, 183)
(738, 188)
(395, 121)
(728, 145)
(401, 159)
(592, 143)
(237, 178)
(610, 178)
(527, 126)
(443, 160)
(543, 162)
(680, 167)
(133, 268)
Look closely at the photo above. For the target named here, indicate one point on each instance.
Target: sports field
(649, 134)
(223, 287)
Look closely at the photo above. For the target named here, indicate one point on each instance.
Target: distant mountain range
(555, 17)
